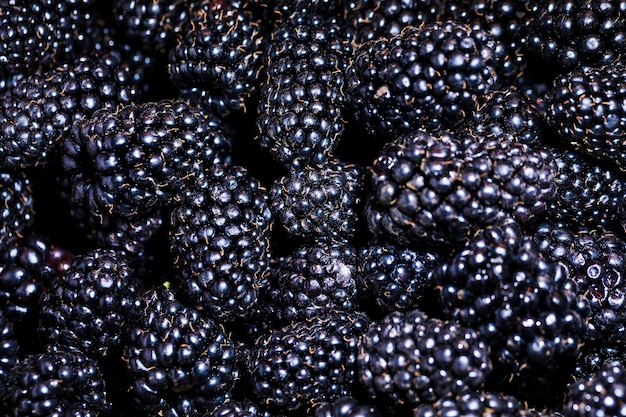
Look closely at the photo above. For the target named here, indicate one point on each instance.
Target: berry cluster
(312, 208)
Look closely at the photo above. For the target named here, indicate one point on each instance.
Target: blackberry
(602, 393)
(588, 192)
(473, 404)
(127, 236)
(219, 238)
(300, 107)
(17, 201)
(40, 109)
(522, 303)
(234, 408)
(9, 349)
(285, 9)
(57, 384)
(40, 34)
(137, 158)
(507, 114)
(440, 188)
(593, 357)
(505, 21)
(596, 260)
(583, 107)
(373, 19)
(395, 278)
(572, 34)
(24, 275)
(319, 201)
(179, 361)
(91, 306)
(409, 358)
(346, 407)
(306, 362)
(152, 24)
(429, 77)
(317, 278)
(217, 60)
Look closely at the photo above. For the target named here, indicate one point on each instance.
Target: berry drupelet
(57, 384)
(9, 349)
(217, 59)
(138, 157)
(394, 277)
(572, 34)
(409, 358)
(429, 76)
(524, 304)
(306, 362)
(179, 361)
(301, 103)
(596, 260)
(220, 239)
(319, 201)
(90, 307)
(440, 188)
(584, 109)
(40, 109)
(472, 403)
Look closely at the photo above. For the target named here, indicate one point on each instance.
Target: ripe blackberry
(409, 358)
(346, 407)
(319, 201)
(219, 238)
(40, 34)
(505, 20)
(179, 362)
(24, 275)
(395, 278)
(217, 59)
(152, 24)
(16, 199)
(595, 259)
(373, 19)
(137, 158)
(440, 188)
(306, 362)
(522, 303)
(57, 384)
(40, 109)
(583, 107)
(429, 76)
(300, 108)
(593, 357)
(127, 236)
(90, 307)
(473, 404)
(234, 408)
(588, 192)
(317, 278)
(9, 348)
(571, 34)
(600, 394)
(509, 115)
(285, 9)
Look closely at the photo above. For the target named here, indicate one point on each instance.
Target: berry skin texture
(603, 393)
(409, 358)
(346, 407)
(16, 199)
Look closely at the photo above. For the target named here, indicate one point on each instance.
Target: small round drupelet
(603, 393)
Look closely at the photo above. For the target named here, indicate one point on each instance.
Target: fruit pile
(325, 208)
